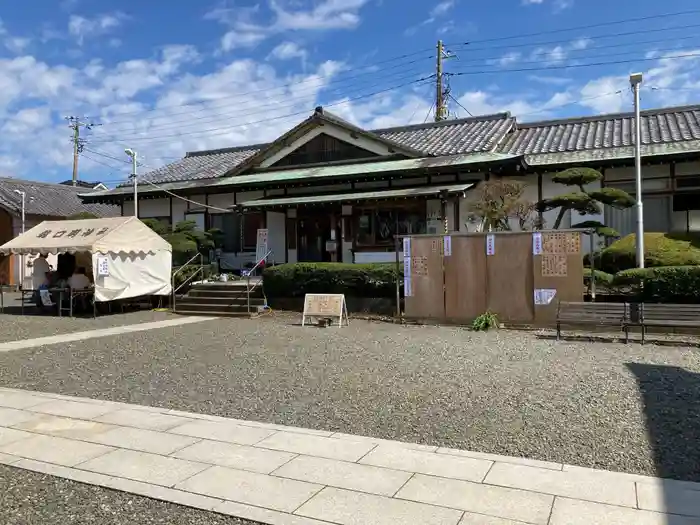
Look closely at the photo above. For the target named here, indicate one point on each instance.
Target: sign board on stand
(328, 306)
(261, 245)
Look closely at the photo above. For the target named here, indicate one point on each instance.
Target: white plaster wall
(246, 196)
(223, 201)
(197, 202)
(149, 208)
(628, 173)
(276, 236)
(375, 257)
(179, 210)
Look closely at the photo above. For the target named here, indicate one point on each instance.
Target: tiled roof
(451, 137)
(471, 135)
(49, 200)
(604, 131)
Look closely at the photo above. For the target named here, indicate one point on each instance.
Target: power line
(280, 117)
(460, 105)
(571, 66)
(579, 28)
(288, 85)
(218, 116)
(598, 37)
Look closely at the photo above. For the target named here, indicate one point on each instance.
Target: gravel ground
(29, 498)
(16, 326)
(614, 406)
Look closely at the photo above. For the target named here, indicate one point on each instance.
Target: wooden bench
(670, 315)
(600, 314)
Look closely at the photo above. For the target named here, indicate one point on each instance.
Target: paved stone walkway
(294, 476)
(103, 332)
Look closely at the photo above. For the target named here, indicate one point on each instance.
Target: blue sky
(168, 77)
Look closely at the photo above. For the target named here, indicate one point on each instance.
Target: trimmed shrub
(353, 280)
(666, 284)
(660, 249)
(601, 278)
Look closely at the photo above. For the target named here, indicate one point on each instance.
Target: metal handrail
(176, 272)
(257, 265)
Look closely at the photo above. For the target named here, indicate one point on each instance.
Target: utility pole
(78, 144)
(635, 81)
(439, 100)
(132, 154)
(441, 90)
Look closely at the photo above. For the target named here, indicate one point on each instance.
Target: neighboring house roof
(470, 135)
(84, 184)
(659, 126)
(49, 200)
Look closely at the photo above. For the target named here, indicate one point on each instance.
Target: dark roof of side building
(659, 126)
(49, 200)
(449, 137)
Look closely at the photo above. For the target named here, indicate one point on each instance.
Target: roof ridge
(232, 149)
(609, 116)
(479, 118)
(54, 185)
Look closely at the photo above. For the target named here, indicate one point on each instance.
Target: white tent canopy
(137, 260)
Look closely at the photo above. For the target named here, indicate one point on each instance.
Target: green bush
(660, 249)
(601, 278)
(666, 284)
(353, 280)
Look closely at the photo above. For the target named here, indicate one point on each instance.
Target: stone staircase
(220, 300)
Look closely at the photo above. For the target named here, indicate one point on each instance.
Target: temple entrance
(314, 230)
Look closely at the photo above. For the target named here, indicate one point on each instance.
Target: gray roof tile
(449, 137)
(659, 126)
(49, 200)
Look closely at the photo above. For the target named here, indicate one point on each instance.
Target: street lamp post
(635, 81)
(131, 153)
(23, 195)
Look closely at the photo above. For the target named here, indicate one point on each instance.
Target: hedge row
(353, 280)
(675, 284)
(660, 249)
(666, 284)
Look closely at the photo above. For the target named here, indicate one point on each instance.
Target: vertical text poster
(261, 245)
(490, 244)
(407, 291)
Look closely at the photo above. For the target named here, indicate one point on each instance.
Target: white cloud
(81, 27)
(558, 5)
(17, 44)
(288, 51)
(581, 43)
(246, 31)
(442, 8)
(507, 59)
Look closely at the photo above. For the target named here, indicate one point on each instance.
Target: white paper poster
(544, 296)
(261, 245)
(103, 267)
(537, 243)
(406, 246)
(490, 244)
(447, 243)
(407, 292)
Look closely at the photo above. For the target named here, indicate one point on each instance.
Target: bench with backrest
(668, 315)
(600, 314)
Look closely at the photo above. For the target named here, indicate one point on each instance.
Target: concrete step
(196, 292)
(224, 301)
(230, 285)
(212, 313)
(209, 307)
